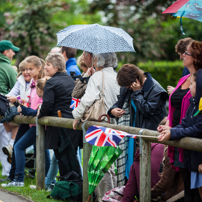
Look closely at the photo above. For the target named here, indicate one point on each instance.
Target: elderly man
(7, 81)
(88, 58)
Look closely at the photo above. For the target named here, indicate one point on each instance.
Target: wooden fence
(146, 137)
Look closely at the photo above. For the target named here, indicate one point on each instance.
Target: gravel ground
(6, 196)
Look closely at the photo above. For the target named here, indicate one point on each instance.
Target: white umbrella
(95, 38)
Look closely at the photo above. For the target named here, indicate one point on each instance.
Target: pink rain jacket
(184, 107)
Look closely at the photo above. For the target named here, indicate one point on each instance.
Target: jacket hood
(198, 86)
(3, 58)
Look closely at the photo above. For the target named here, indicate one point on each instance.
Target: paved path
(6, 196)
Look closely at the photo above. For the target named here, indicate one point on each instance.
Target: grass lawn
(35, 195)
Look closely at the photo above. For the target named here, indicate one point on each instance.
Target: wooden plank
(40, 158)
(145, 171)
(149, 135)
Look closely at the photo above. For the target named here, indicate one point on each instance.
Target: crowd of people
(131, 97)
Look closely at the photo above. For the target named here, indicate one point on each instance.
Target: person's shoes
(50, 187)
(13, 184)
(7, 179)
(9, 160)
(7, 150)
(32, 186)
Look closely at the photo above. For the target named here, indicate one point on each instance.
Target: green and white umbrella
(101, 159)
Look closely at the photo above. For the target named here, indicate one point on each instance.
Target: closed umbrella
(104, 152)
(95, 38)
(101, 159)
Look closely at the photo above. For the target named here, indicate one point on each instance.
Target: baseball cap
(5, 45)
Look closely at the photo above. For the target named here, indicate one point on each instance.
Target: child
(34, 67)
(22, 90)
(39, 90)
(191, 126)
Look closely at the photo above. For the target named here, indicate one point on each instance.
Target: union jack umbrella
(75, 102)
(101, 136)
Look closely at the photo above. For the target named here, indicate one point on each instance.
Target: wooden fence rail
(146, 137)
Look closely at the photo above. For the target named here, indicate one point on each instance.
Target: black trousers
(71, 164)
(190, 195)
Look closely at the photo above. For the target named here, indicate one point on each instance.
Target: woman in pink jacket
(178, 105)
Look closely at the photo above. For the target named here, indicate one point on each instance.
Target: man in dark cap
(7, 80)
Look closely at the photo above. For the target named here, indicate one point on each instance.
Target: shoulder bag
(98, 107)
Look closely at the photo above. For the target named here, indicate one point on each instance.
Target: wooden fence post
(148, 136)
(145, 171)
(40, 157)
(86, 155)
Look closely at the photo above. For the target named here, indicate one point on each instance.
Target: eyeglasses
(186, 53)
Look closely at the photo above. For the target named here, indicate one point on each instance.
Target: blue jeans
(21, 131)
(28, 139)
(53, 170)
(78, 154)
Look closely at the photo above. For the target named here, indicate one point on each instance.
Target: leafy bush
(165, 72)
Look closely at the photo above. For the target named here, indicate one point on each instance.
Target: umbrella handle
(108, 118)
(88, 198)
(59, 113)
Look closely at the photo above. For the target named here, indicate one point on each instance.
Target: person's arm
(119, 104)
(192, 131)
(166, 132)
(48, 100)
(26, 111)
(12, 78)
(147, 106)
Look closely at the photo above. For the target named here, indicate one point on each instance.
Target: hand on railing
(164, 136)
(38, 107)
(75, 122)
(163, 128)
(19, 109)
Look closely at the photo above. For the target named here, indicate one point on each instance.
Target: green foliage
(32, 24)
(76, 13)
(165, 72)
(155, 35)
(30, 27)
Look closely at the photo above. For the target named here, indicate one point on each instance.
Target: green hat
(6, 45)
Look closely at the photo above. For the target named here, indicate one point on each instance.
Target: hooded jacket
(7, 74)
(150, 102)
(71, 66)
(191, 126)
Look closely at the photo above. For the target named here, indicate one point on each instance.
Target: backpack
(4, 104)
(69, 188)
